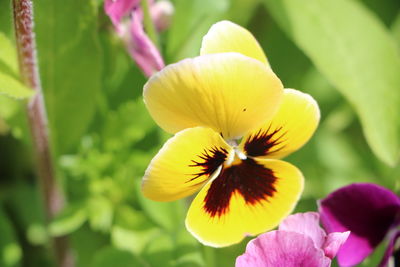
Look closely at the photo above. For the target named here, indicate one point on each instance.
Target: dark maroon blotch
(261, 143)
(250, 179)
(209, 161)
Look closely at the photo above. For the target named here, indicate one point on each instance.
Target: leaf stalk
(37, 119)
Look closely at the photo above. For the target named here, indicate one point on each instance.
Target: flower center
(247, 179)
(235, 158)
(232, 173)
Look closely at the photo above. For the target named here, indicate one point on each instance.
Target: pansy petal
(227, 92)
(225, 36)
(245, 199)
(281, 248)
(333, 243)
(184, 164)
(368, 211)
(307, 224)
(290, 128)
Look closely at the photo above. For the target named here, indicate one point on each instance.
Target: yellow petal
(184, 164)
(228, 92)
(248, 199)
(291, 127)
(225, 36)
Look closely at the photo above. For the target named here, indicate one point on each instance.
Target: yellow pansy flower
(232, 121)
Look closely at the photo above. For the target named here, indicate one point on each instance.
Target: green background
(345, 53)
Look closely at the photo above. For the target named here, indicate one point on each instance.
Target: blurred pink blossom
(161, 13)
(117, 9)
(300, 241)
(127, 18)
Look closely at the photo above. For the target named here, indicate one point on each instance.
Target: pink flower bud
(161, 13)
(117, 9)
(141, 48)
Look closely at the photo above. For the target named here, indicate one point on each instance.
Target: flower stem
(148, 23)
(37, 118)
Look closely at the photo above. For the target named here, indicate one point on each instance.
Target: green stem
(37, 118)
(148, 23)
(209, 256)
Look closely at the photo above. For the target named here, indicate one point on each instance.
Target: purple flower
(370, 212)
(300, 241)
(127, 17)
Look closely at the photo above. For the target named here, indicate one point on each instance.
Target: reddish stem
(37, 117)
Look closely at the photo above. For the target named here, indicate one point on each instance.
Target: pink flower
(300, 241)
(127, 17)
(117, 9)
(141, 48)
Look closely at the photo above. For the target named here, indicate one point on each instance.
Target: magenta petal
(281, 248)
(116, 9)
(142, 49)
(333, 243)
(368, 211)
(307, 224)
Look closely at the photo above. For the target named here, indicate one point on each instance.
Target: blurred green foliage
(10, 85)
(345, 53)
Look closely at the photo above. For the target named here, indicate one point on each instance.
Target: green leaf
(131, 240)
(188, 250)
(87, 244)
(4, 128)
(11, 87)
(289, 63)
(132, 230)
(191, 21)
(357, 55)
(178, 249)
(30, 217)
(386, 11)
(241, 11)
(169, 215)
(396, 30)
(8, 109)
(121, 128)
(8, 55)
(37, 234)
(69, 220)
(159, 251)
(100, 210)
(70, 64)
(10, 251)
(110, 256)
(227, 256)
(9, 83)
(6, 17)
